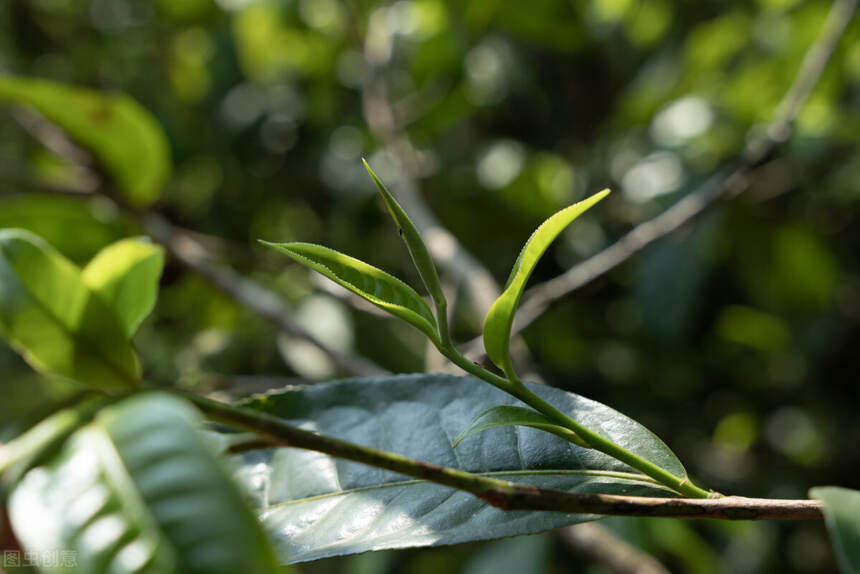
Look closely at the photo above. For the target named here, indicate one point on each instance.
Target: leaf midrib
(372, 297)
(634, 477)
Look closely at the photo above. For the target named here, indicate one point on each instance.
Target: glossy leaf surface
(126, 275)
(371, 283)
(138, 491)
(500, 318)
(320, 506)
(55, 321)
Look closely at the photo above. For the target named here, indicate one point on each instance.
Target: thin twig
(190, 251)
(259, 299)
(449, 253)
(597, 543)
(500, 493)
(727, 183)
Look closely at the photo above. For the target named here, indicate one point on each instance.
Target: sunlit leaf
(126, 275)
(138, 491)
(500, 318)
(371, 283)
(19, 455)
(55, 321)
(121, 134)
(414, 242)
(504, 416)
(319, 506)
(842, 514)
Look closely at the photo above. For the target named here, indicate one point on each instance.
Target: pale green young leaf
(56, 321)
(842, 515)
(504, 416)
(500, 318)
(122, 135)
(126, 275)
(138, 491)
(415, 245)
(377, 286)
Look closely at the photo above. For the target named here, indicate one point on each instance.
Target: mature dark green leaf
(504, 416)
(371, 283)
(138, 491)
(55, 321)
(126, 275)
(842, 514)
(122, 135)
(320, 506)
(414, 242)
(500, 318)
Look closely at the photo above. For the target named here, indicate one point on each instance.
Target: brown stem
(500, 493)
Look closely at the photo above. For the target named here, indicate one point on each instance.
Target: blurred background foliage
(733, 339)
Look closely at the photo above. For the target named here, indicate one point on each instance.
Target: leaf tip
(376, 180)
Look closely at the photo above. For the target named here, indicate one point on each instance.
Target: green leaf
(138, 491)
(20, 454)
(842, 515)
(504, 416)
(414, 243)
(319, 506)
(55, 321)
(77, 226)
(126, 275)
(371, 283)
(121, 134)
(500, 318)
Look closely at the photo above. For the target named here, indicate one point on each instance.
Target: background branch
(448, 253)
(599, 545)
(187, 248)
(255, 297)
(728, 182)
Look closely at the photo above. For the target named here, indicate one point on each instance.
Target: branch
(261, 300)
(443, 246)
(600, 546)
(728, 183)
(499, 493)
(189, 250)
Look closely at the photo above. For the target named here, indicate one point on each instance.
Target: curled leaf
(500, 318)
(377, 286)
(59, 325)
(126, 275)
(414, 243)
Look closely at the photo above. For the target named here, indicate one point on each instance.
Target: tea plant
(130, 476)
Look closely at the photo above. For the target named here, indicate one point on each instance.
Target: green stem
(603, 444)
(275, 431)
(499, 493)
(596, 441)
